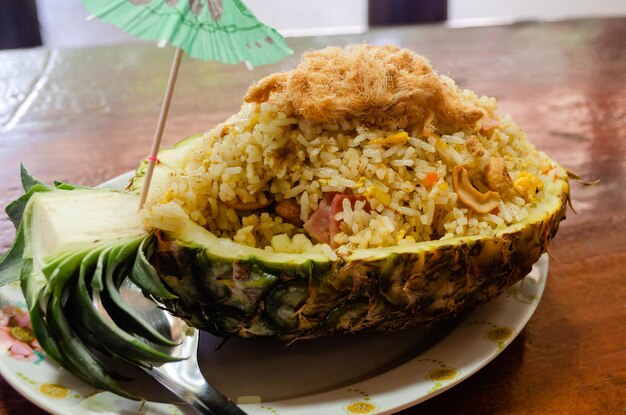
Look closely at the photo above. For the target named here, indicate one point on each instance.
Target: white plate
(360, 374)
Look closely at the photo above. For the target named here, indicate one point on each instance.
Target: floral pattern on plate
(16, 335)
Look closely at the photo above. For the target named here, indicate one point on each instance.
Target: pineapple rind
(375, 290)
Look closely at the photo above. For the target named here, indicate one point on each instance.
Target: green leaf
(102, 327)
(112, 256)
(61, 271)
(84, 364)
(44, 337)
(11, 262)
(96, 281)
(33, 284)
(15, 210)
(69, 186)
(126, 317)
(86, 268)
(145, 276)
(28, 181)
(32, 287)
(88, 263)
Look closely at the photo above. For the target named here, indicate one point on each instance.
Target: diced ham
(318, 225)
(328, 197)
(322, 225)
(336, 207)
(487, 126)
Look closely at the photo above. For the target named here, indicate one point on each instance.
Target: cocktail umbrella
(219, 30)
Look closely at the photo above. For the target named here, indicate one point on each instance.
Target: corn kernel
(253, 122)
(527, 185)
(169, 196)
(398, 138)
(401, 234)
(360, 183)
(378, 194)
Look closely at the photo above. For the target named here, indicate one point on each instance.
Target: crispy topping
(474, 146)
(383, 86)
(470, 196)
(498, 178)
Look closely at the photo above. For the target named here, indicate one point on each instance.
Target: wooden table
(87, 115)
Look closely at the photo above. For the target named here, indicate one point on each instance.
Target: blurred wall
(19, 24)
(63, 21)
(532, 9)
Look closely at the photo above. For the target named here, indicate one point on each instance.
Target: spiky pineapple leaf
(145, 276)
(98, 274)
(11, 261)
(84, 364)
(56, 277)
(15, 209)
(118, 263)
(62, 269)
(69, 186)
(98, 324)
(44, 337)
(125, 316)
(33, 285)
(27, 179)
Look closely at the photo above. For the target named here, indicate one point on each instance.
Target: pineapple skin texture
(253, 298)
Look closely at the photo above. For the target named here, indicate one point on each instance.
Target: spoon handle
(195, 391)
(185, 379)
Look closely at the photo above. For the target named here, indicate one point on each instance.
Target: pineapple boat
(359, 191)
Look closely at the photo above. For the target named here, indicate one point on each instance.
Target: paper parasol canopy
(220, 30)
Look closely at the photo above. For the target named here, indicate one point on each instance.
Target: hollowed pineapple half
(232, 289)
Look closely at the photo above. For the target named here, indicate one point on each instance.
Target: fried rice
(422, 174)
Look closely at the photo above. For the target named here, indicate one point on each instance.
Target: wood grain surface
(87, 115)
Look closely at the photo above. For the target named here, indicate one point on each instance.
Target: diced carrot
(431, 179)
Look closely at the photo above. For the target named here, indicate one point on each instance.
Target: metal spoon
(184, 377)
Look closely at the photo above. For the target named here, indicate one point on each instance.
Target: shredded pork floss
(386, 87)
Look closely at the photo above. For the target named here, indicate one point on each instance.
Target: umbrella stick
(158, 134)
